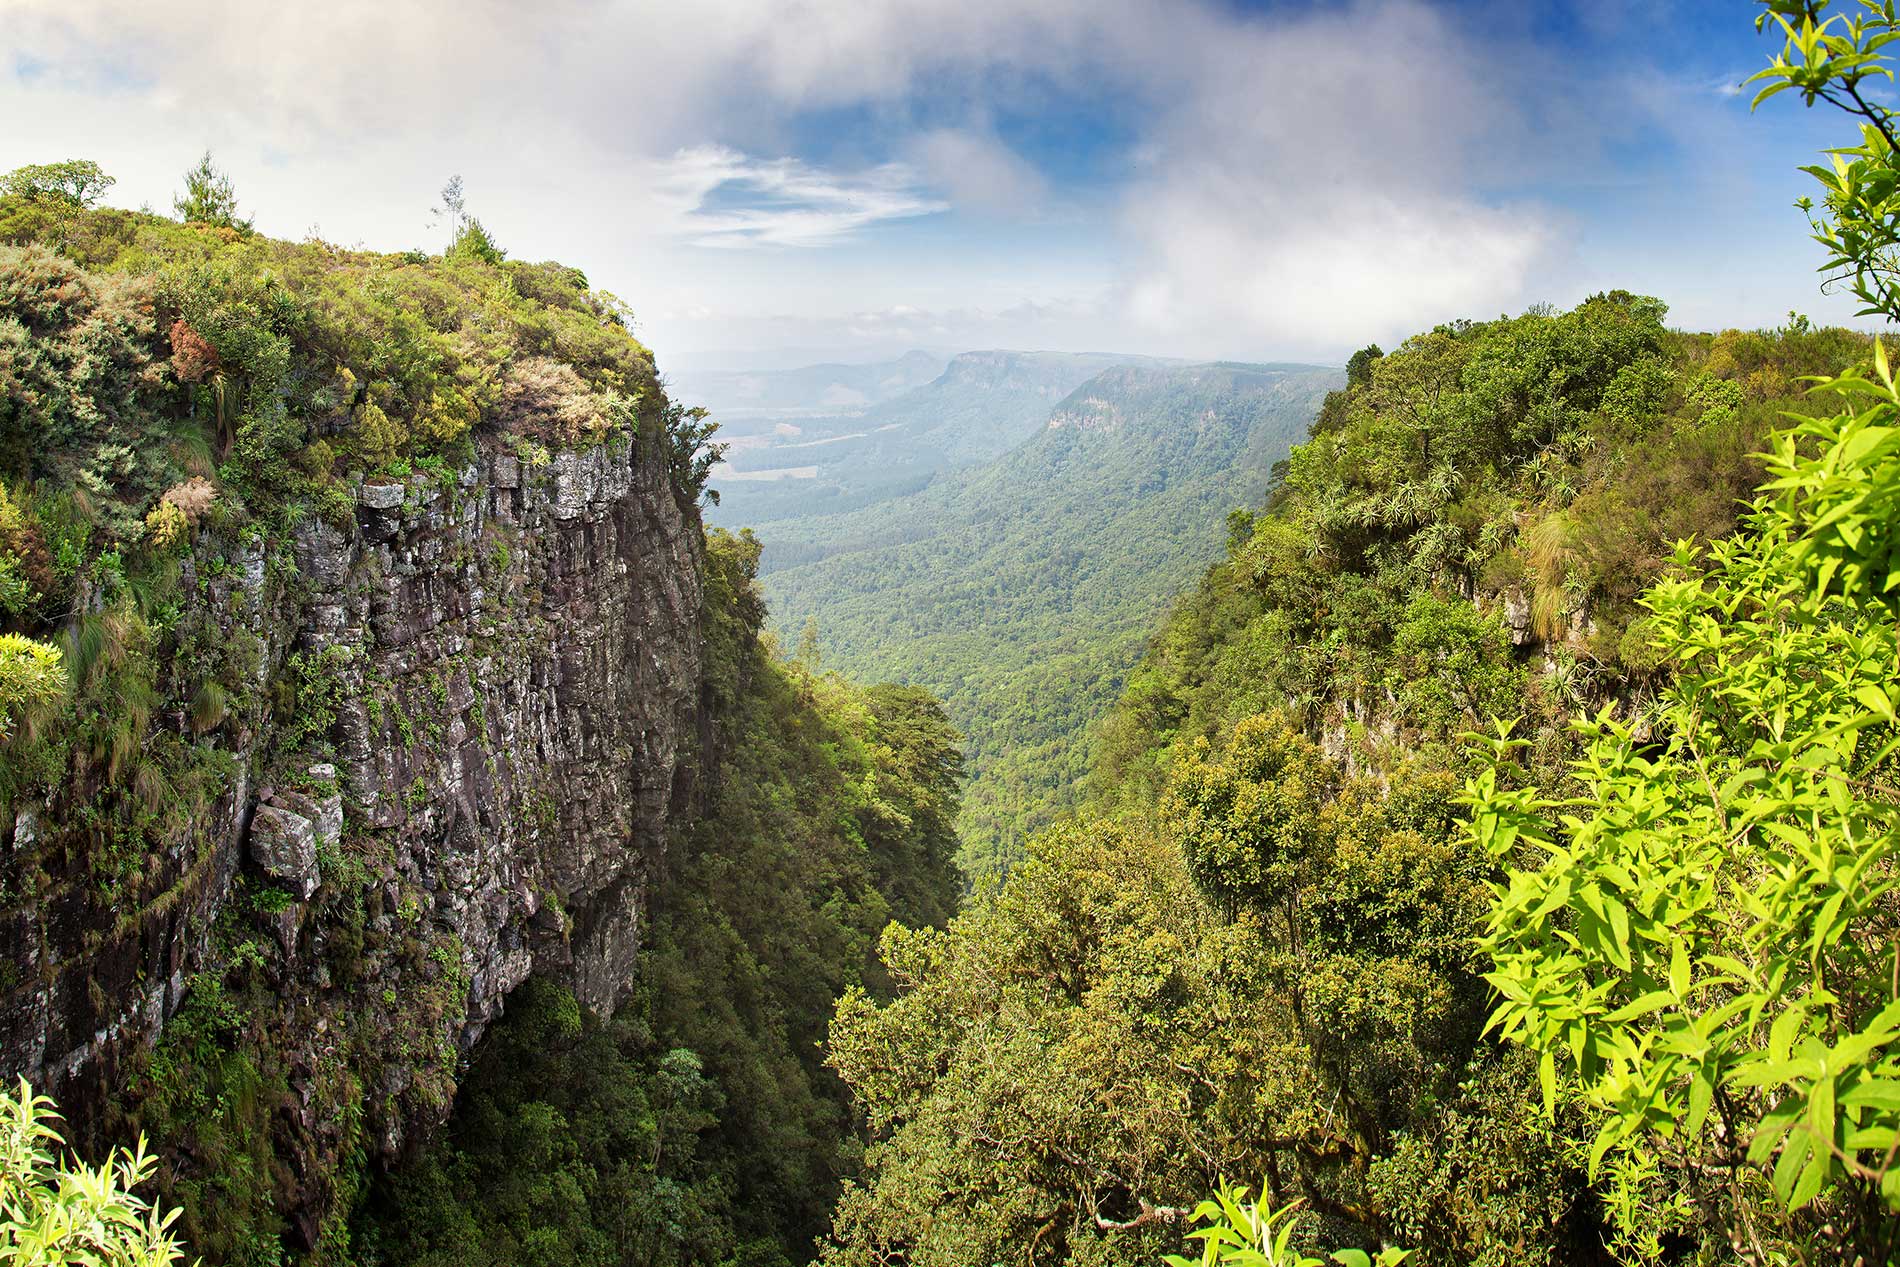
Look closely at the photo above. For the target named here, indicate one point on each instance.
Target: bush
(56, 1213)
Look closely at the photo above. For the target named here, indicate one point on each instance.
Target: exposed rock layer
(505, 663)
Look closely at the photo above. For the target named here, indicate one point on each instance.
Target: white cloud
(780, 202)
(1315, 189)
(1295, 183)
(978, 171)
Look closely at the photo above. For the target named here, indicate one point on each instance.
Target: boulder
(284, 844)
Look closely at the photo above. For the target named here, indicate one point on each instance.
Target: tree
(78, 182)
(54, 1213)
(452, 208)
(1359, 365)
(474, 243)
(209, 198)
(691, 452)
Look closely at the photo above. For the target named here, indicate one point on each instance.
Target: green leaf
(1701, 1094)
(1679, 968)
(1875, 1093)
(1653, 1001)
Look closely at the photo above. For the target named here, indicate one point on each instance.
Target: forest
(1489, 859)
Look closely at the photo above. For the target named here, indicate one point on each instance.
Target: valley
(810, 765)
(1020, 590)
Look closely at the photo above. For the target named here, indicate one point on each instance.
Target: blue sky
(766, 181)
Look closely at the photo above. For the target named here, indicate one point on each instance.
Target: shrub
(54, 1213)
(33, 683)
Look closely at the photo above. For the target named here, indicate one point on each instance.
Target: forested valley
(1438, 811)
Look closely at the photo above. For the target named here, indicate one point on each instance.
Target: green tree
(1359, 365)
(78, 182)
(473, 242)
(209, 198)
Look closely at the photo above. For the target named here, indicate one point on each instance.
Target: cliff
(512, 661)
(361, 744)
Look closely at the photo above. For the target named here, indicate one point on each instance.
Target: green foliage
(1247, 820)
(1832, 57)
(299, 366)
(32, 684)
(473, 242)
(55, 1212)
(1702, 951)
(574, 1141)
(1484, 490)
(1092, 1045)
(691, 452)
(79, 182)
(1243, 1233)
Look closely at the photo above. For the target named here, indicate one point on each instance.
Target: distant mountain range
(981, 405)
(742, 397)
(1040, 537)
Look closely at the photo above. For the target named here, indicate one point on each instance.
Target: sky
(769, 182)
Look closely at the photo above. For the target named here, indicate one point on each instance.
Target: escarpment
(445, 742)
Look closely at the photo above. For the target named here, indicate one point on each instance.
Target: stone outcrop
(284, 845)
(468, 713)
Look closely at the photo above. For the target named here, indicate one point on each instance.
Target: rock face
(505, 663)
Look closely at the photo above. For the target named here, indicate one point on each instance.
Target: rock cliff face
(469, 723)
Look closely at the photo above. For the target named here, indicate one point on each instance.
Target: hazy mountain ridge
(983, 404)
(740, 396)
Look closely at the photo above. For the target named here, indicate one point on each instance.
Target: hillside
(1021, 590)
(1256, 950)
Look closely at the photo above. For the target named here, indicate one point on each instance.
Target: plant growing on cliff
(64, 1213)
(33, 684)
(691, 452)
